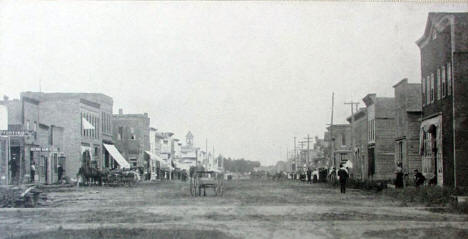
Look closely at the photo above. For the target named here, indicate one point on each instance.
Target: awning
(85, 124)
(117, 156)
(163, 163)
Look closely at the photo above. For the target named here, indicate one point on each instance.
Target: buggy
(206, 179)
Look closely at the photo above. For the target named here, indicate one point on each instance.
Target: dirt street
(248, 209)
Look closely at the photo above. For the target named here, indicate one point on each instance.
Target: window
(428, 90)
(400, 149)
(449, 79)
(423, 85)
(427, 144)
(371, 130)
(432, 88)
(81, 119)
(438, 84)
(27, 124)
(132, 134)
(444, 83)
(51, 136)
(343, 139)
(35, 126)
(120, 135)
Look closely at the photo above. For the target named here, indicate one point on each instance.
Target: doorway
(371, 158)
(14, 163)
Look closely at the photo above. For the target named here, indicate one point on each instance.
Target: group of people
(32, 172)
(419, 178)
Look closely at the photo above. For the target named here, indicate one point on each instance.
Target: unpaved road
(248, 209)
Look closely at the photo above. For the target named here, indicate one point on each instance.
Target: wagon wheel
(193, 188)
(220, 187)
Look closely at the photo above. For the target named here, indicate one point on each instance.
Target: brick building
(131, 136)
(407, 124)
(86, 119)
(339, 136)
(380, 137)
(444, 73)
(30, 140)
(359, 125)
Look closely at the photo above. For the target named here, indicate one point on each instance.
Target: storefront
(431, 149)
(118, 159)
(156, 166)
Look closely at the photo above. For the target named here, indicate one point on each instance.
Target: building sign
(14, 132)
(39, 149)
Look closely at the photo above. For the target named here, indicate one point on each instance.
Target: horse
(93, 175)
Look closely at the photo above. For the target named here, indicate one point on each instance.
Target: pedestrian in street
(60, 173)
(309, 175)
(418, 178)
(343, 174)
(33, 171)
(399, 176)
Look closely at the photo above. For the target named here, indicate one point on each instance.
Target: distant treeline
(240, 165)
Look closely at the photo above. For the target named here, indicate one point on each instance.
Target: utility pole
(332, 156)
(295, 158)
(353, 156)
(302, 143)
(308, 150)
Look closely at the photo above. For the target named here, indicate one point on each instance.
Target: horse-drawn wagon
(200, 179)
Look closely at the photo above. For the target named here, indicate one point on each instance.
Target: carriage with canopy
(201, 179)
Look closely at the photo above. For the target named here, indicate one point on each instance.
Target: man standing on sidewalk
(33, 171)
(343, 174)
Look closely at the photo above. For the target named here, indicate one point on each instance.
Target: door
(14, 164)
(45, 166)
(371, 160)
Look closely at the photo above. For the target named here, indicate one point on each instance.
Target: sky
(246, 76)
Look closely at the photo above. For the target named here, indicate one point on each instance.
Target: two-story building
(86, 119)
(444, 74)
(407, 123)
(339, 136)
(30, 141)
(380, 136)
(131, 136)
(359, 126)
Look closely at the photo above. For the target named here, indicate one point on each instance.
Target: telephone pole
(295, 158)
(308, 150)
(302, 143)
(332, 156)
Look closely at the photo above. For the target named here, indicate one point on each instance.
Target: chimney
(146, 115)
(5, 98)
(120, 111)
